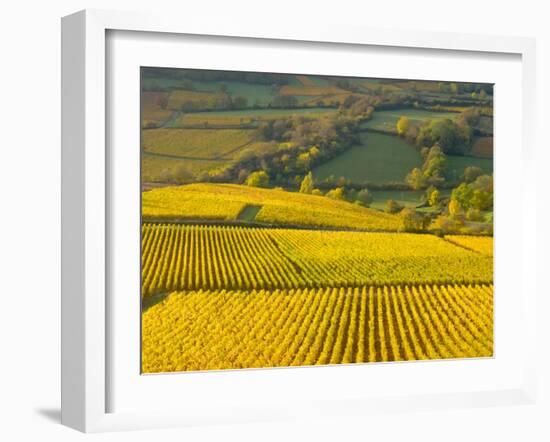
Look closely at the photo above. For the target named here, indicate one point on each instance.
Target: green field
(386, 120)
(156, 168)
(379, 159)
(256, 94)
(195, 143)
(457, 164)
(226, 202)
(245, 117)
(382, 159)
(317, 80)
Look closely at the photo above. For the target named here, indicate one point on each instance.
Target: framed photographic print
(250, 216)
(294, 220)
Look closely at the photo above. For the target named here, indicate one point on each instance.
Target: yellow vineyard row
(188, 257)
(208, 330)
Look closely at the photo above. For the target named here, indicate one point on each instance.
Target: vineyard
(204, 330)
(188, 257)
(272, 225)
(195, 143)
(481, 244)
(226, 201)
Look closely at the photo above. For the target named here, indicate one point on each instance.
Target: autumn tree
(455, 209)
(307, 184)
(336, 194)
(258, 179)
(364, 197)
(471, 173)
(412, 221)
(402, 125)
(415, 179)
(393, 206)
(433, 196)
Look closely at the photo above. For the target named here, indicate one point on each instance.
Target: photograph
(298, 220)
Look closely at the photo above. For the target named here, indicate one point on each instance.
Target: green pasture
(319, 81)
(258, 94)
(379, 159)
(456, 165)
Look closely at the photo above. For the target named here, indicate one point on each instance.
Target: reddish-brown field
(483, 147)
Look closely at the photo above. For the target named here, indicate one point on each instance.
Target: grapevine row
(187, 257)
(202, 330)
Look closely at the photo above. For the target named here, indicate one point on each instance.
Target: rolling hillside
(226, 202)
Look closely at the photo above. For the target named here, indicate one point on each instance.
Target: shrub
(258, 179)
(393, 206)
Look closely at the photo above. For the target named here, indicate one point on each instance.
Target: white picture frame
(86, 204)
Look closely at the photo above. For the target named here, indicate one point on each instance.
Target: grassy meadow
(286, 221)
(379, 158)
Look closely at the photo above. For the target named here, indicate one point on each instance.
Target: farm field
(312, 90)
(380, 158)
(483, 147)
(155, 168)
(197, 99)
(384, 158)
(297, 327)
(188, 257)
(386, 120)
(226, 201)
(312, 80)
(456, 165)
(248, 116)
(151, 111)
(256, 94)
(195, 143)
(481, 244)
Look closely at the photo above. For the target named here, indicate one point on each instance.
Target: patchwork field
(226, 202)
(380, 158)
(297, 327)
(237, 276)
